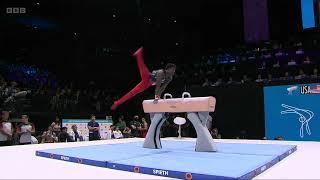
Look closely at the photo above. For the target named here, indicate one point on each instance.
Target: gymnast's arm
(164, 86)
(160, 76)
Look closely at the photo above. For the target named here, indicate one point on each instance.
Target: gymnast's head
(170, 68)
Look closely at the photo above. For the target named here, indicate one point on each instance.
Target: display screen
(310, 13)
(292, 111)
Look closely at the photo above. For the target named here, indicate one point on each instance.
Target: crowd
(24, 131)
(263, 64)
(269, 63)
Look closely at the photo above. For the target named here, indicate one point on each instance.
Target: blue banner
(292, 112)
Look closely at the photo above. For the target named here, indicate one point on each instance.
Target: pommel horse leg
(152, 139)
(204, 141)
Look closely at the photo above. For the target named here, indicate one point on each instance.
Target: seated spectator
(121, 124)
(144, 128)
(279, 54)
(263, 65)
(75, 134)
(300, 51)
(117, 133)
(245, 79)
(259, 79)
(24, 130)
(135, 125)
(286, 77)
(301, 75)
(215, 133)
(276, 65)
(219, 82)
(64, 135)
(307, 60)
(230, 81)
(112, 128)
(315, 73)
(206, 83)
(49, 136)
(56, 126)
(126, 132)
(292, 62)
(5, 129)
(269, 79)
(279, 138)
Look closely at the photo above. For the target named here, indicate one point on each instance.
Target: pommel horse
(198, 109)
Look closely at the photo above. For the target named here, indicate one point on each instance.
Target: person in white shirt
(25, 129)
(76, 136)
(5, 129)
(117, 133)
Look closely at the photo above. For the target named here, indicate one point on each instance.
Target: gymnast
(159, 78)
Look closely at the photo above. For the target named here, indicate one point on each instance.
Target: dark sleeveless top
(153, 77)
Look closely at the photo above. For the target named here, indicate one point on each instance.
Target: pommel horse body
(197, 108)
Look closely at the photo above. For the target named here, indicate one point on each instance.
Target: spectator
(259, 79)
(307, 60)
(56, 126)
(301, 75)
(245, 79)
(218, 82)
(112, 128)
(121, 124)
(206, 83)
(209, 122)
(270, 78)
(276, 65)
(280, 138)
(49, 136)
(230, 81)
(215, 133)
(144, 128)
(64, 135)
(292, 62)
(117, 133)
(75, 134)
(5, 129)
(126, 132)
(315, 73)
(286, 76)
(24, 130)
(135, 125)
(94, 129)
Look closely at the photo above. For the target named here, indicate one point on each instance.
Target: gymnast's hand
(156, 99)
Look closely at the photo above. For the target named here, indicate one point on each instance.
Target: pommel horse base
(197, 108)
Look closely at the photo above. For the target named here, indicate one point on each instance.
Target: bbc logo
(16, 10)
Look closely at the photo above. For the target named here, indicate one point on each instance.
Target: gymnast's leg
(142, 86)
(144, 71)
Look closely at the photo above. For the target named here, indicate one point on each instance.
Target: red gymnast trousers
(144, 84)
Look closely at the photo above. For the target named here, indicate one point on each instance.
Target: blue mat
(178, 159)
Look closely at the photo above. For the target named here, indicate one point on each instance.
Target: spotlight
(113, 15)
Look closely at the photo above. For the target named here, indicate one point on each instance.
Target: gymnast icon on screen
(302, 119)
(159, 78)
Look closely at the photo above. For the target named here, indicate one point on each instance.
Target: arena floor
(20, 162)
